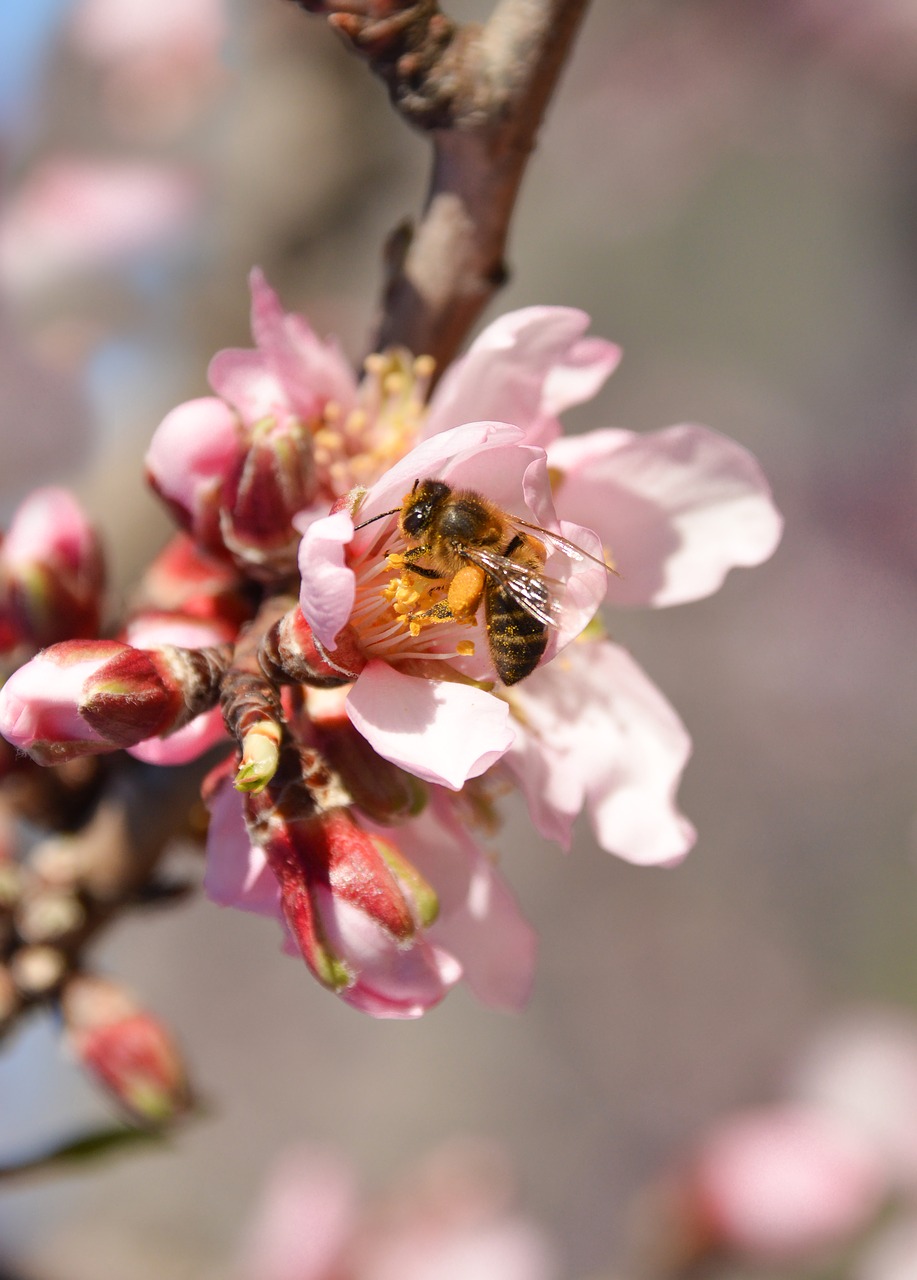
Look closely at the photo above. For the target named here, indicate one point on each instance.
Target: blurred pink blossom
(453, 1219)
(785, 1183)
(159, 62)
(73, 214)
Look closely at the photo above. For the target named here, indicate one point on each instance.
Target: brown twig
(103, 867)
(481, 92)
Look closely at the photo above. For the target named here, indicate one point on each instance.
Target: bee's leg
(423, 572)
(466, 591)
(408, 560)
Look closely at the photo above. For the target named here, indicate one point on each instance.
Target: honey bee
(484, 553)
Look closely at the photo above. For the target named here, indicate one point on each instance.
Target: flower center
(400, 615)
(357, 449)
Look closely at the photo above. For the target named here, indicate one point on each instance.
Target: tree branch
(481, 92)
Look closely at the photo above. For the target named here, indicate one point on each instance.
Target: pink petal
(245, 379)
(597, 731)
(328, 587)
(444, 456)
(312, 372)
(479, 920)
(185, 744)
(440, 731)
(237, 873)
(392, 980)
(588, 365)
(677, 508)
(307, 1214)
(193, 450)
(524, 368)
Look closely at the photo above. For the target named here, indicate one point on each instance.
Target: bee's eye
(415, 519)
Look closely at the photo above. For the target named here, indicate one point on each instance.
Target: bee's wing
(559, 543)
(530, 589)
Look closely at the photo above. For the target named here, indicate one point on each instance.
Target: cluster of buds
(48, 898)
(379, 616)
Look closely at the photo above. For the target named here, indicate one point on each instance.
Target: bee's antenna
(372, 520)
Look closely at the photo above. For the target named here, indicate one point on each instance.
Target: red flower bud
(52, 571)
(126, 1049)
(290, 654)
(84, 697)
(354, 905)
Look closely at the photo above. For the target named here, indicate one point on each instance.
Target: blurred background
(729, 188)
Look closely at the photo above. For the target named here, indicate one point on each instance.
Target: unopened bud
(290, 654)
(126, 1049)
(271, 482)
(83, 697)
(185, 579)
(355, 906)
(260, 756)
(52, 570)
(194, 450)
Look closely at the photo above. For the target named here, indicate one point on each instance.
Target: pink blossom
(785, 1183)
(479, 932)
(526, 368)
(290, 371)
(679, 508)
(75, 213)
(591, 729)
(353, 921)
(443, 729)
(451, 1219)
(862, 1071)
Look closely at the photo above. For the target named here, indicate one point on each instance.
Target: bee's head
(421, 505)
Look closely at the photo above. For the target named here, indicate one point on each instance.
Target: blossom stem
(251, 702)
(481, 92)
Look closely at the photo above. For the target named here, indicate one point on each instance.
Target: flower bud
(290, 654)
(52, 571)
(194, 450)
(184, 579)
(126, 1049)
(354, 905)
(84, 697)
